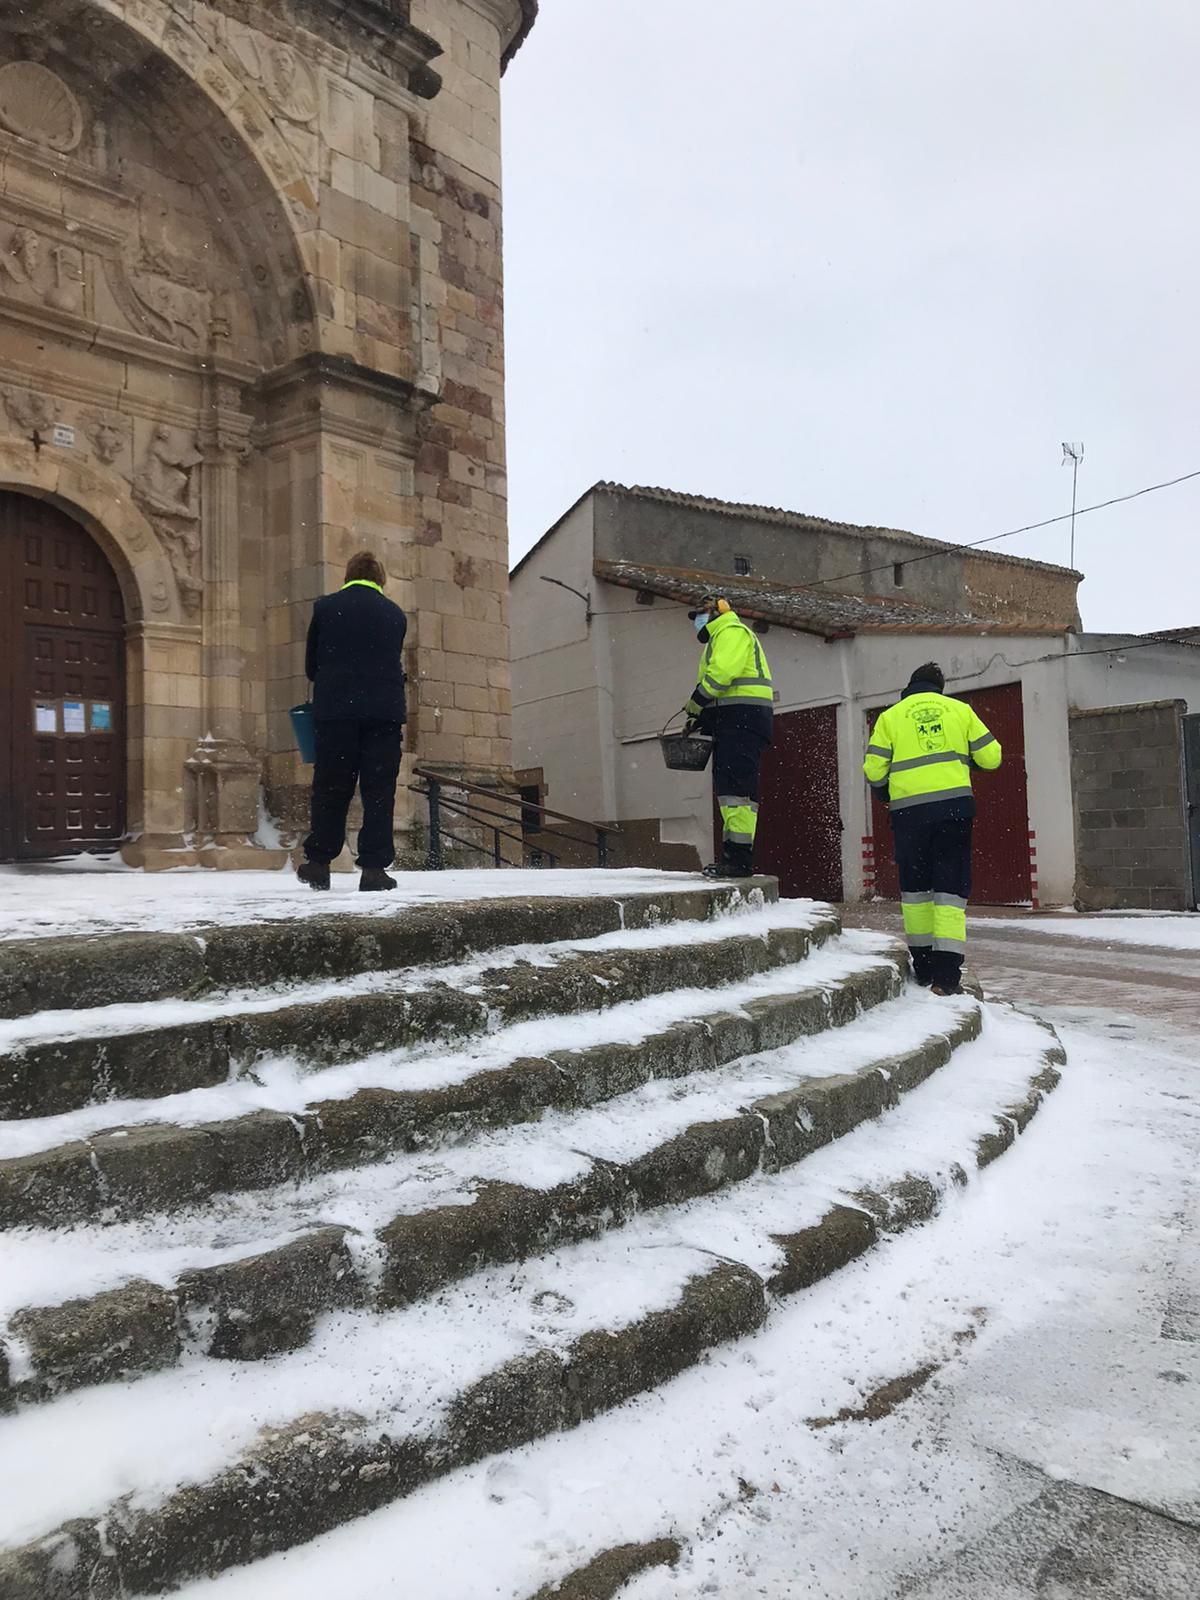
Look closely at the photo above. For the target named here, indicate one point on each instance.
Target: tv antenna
(1074, 454)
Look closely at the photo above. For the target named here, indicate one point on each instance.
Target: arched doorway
(62, 686)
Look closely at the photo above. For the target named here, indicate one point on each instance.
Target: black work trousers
(737, 758)
(933, 857)
(355, 752)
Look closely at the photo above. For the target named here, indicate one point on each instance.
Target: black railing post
(434, 860)
(601, 847)
(496, 853)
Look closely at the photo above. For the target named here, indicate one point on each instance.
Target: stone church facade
(250, 321)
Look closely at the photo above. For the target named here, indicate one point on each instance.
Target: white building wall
(562, 678)
(638, 666)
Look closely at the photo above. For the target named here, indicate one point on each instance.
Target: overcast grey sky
(870, 259)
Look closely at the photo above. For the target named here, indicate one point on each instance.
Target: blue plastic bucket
(305, 731)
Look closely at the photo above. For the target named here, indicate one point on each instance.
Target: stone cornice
(381, 26)
(514, 19)
(529, 11)
(340, 372)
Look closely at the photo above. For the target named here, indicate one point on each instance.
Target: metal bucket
(305, 731)
(685, 752)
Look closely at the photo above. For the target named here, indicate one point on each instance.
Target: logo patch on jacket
(931, 731)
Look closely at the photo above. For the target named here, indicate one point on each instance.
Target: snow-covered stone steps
(218, 1463)
(125, 968)
(56, 1062)
(654, 1147)
(123, 1170)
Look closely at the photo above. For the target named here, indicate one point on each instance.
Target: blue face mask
(701, 621)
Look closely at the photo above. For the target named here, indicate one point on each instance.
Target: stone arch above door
(123, 250)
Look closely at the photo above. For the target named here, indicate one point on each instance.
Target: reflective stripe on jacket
(733, 668)
(923, 749)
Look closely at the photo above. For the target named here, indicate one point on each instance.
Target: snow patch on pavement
(1149, 930)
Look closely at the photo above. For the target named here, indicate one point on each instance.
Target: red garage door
(800, 824)
(1001, 875)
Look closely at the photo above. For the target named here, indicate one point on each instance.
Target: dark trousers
(349, 753)
(737, 758)
(933, 856)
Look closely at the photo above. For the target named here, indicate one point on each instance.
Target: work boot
(314, 873)
(374, 878)
(944, 993)
(726, 869)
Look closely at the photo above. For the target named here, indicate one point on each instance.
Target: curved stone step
(267, 1302)
(51, 1076)
(52, 974)
(324, 1469)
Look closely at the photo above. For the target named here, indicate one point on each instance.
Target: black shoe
(943, 993)
(726, 869)
(374, 878)
(314, 873)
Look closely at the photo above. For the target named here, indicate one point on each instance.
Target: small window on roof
(898, 575)
(741, 566)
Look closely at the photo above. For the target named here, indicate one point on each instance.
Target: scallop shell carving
(36, 104)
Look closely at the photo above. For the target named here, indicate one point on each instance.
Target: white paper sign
(74, 720)
(45, 719)
(63, 435)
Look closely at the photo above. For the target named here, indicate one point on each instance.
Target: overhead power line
(1011, 533)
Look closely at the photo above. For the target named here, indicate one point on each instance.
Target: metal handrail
(433, 786)
(490, 793)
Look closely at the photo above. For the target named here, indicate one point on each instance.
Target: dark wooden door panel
(800, 824)
(1002, 863)
(62, 703)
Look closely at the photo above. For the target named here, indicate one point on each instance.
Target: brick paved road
(1067, 978)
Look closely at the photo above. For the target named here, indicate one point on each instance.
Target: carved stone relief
(30, 411)
(166, 486)
(49, 274)
(288, 82)
(36, 104)
(108, 435)
(185, 45)
(174, 312)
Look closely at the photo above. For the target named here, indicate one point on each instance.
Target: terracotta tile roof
(529, 9)
(801, 520)
(820, 611)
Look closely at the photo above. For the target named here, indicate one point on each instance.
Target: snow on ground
(1057, 1259)
(40, 1267)
(398, 1371)
(42, 901)
(285, 1084)
(1147, 929)
(748, 920)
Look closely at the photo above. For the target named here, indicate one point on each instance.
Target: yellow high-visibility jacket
(923, 750)
(733, 668)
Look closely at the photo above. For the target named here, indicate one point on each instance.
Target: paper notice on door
(74, 718)
(45, 716)
(101, 716)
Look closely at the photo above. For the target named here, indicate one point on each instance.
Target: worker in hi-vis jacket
(920, 759)
(735, 702)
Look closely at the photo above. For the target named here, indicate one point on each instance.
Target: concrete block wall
(1131, 840)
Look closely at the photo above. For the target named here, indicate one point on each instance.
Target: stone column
(223, 773)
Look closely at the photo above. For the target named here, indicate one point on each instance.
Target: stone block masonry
(1130, 812)
(265, 331)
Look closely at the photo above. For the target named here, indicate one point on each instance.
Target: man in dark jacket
(354, 661)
